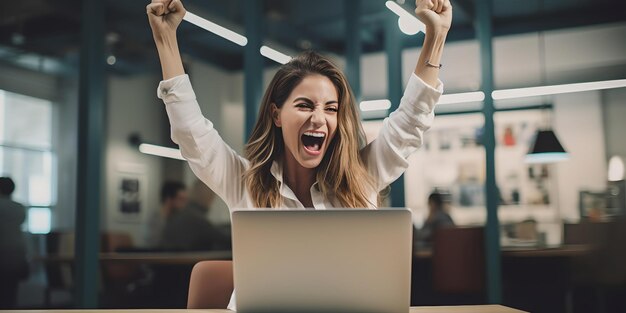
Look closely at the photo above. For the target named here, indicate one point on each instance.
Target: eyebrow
(309, 100)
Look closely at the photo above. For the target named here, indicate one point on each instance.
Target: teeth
(319, 135)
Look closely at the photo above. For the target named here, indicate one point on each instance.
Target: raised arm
(437, 16)
(403, 132)
(164, 17)
(209, 157)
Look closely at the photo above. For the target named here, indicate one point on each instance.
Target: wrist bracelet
(433, 65)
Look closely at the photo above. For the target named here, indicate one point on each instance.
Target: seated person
(437, 217)
(173, 197)
(187, 228)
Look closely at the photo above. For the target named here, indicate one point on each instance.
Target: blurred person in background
(173, 197)
(13, 264)
(187, 228)
(437, 218)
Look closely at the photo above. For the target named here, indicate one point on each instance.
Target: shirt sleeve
(209, 157)
(402, 132)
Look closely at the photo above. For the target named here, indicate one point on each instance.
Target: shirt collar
(277, 171)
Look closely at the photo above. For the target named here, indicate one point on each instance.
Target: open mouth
(313, 141)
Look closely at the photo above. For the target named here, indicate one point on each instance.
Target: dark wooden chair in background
(59, 275)
(458, 264)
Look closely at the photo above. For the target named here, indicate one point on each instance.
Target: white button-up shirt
(221, 168)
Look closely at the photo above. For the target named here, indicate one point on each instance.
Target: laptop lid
(322, 261)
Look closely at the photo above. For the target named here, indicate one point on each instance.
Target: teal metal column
(253, 62)
(352, 13)
(393, 50)
(492, 228)
(91, 114)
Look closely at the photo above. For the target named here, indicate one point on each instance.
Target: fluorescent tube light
(160, 151)
(556, 89)
(408, 23)
(463, 97)
(375, 105)
(397, 9)
(216, 29)
(409, 26)
(274, 55)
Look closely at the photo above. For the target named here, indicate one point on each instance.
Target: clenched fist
(436, 14)
(165, 16)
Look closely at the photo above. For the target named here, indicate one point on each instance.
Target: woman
(307, 148)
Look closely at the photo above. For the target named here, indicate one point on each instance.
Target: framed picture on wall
(130, 188)
(593, 205)
(130, 198)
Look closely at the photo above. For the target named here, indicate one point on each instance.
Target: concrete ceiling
(45, 35)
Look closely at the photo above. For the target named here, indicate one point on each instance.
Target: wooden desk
(525, 252)
(162, 258)
(558, 251)
(428, 309)
(190, 258)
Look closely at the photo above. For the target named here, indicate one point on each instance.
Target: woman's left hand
(436, 14)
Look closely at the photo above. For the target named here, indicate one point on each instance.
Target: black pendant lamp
(546, 148)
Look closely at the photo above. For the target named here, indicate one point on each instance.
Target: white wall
(132, 107)
(578, 125)
(614, 104)
(572, 55)
(66, 144)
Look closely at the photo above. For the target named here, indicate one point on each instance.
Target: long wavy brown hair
(341, 173)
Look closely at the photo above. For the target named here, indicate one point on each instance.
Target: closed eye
(304, 105)
(332, 109)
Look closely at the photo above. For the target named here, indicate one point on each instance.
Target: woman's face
(308, 120)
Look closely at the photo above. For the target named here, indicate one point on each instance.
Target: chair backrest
(605, 263)
(211, 285)
(459, 260)
(113, 241)
(59, 275)
(117, 272)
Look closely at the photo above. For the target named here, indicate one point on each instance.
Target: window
(26, 155)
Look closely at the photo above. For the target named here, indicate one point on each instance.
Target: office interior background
(78, 86)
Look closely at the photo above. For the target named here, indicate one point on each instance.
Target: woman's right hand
(165, 16)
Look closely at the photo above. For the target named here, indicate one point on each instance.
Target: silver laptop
(322, 261)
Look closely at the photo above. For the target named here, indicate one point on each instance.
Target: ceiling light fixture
(375, 105)
(462, 97)
(275, 55)
(545, 147)
(111, 59)
(408, 23)
(216, 29)
(156, 150)
(556, 89)
(160, 151)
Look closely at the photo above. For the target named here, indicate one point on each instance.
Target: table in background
(528, 251)
(162, 258)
